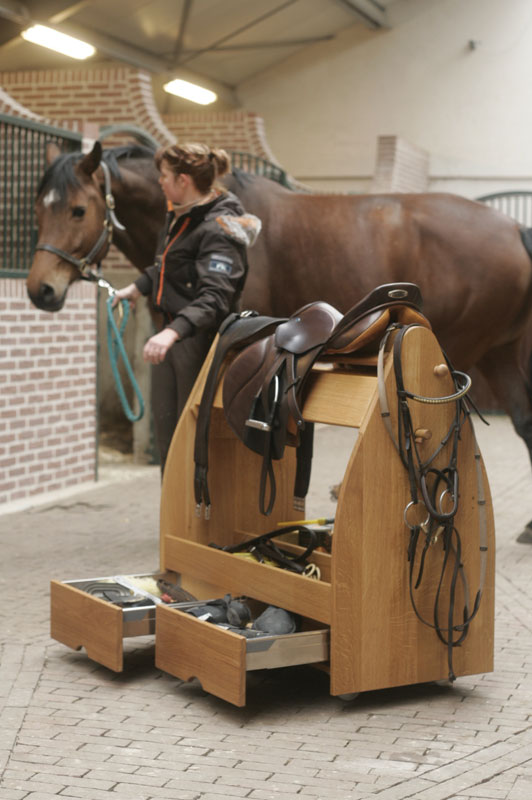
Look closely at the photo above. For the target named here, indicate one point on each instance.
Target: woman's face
(172, 185)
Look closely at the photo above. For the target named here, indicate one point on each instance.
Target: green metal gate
(259, 166)
(22, 165)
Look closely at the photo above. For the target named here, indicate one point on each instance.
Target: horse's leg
(502, 369)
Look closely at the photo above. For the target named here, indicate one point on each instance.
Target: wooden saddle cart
(406, 593)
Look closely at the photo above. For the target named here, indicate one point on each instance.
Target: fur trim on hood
(243, 229)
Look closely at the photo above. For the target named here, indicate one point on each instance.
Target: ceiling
(218, 43)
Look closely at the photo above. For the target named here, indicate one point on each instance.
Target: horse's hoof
(526, 536)
(335, 491)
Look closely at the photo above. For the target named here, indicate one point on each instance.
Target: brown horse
(469, 261)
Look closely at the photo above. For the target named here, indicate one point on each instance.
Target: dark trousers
(171, 384)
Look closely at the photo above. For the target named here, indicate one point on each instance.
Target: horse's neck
(140, 207)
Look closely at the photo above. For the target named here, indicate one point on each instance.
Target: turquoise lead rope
(117, 350)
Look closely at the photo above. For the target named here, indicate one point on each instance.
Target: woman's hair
(197, 160)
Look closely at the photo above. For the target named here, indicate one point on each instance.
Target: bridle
(439, 525)
(109, 224)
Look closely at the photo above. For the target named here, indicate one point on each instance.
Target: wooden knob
(440, 370)
(422, 434)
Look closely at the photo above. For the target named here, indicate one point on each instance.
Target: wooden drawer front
(188, 648)
(80, 620)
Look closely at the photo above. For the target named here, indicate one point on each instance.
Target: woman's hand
(130, 293)
(157, 347)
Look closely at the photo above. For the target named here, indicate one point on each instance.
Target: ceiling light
(60, 42)
(190, 92)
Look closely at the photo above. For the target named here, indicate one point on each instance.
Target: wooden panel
(376, 639)
(328, 400)
(271, 585)
(80, 620)
(190, 648)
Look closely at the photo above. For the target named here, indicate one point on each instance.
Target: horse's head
(70, 214)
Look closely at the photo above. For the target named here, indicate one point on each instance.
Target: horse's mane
(61, 176)
(241, 177)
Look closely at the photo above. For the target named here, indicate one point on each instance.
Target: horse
(472, 264)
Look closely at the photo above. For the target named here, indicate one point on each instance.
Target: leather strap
(236, 330)
(439, 524)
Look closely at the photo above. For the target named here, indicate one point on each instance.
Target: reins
(116, 349)
(436, 490)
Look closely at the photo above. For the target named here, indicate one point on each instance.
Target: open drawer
(188, 647)
(81, 618)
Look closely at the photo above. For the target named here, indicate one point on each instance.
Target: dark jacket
(201, 265)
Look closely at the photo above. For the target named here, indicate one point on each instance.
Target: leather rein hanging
(436, 489)
(109, 224)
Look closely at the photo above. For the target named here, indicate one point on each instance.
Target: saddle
(263, 390)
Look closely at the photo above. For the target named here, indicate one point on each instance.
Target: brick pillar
(400, 166)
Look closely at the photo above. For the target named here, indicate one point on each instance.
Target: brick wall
(47, 392)
(232, 130)
(73, 97)
(8, 105)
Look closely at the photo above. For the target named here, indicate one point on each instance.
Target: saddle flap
(242, 381)
(309, 327)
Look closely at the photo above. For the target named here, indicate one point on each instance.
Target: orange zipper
(163, 258)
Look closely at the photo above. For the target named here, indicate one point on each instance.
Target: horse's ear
(91, 161)
(53, 151)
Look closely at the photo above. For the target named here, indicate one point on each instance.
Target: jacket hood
(228, 214)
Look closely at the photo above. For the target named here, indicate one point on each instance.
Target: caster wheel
(347, 698)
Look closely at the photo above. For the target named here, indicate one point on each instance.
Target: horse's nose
(47, 295)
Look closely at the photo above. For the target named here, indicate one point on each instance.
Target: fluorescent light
(190, 92)
(60, 42)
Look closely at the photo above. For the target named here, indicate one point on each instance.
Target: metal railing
(517, 205)
(22, 165)
(259, 166)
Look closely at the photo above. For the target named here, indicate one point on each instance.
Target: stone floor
(72, 729)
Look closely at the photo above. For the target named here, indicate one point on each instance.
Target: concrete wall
(325, 108)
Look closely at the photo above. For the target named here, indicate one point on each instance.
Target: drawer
(80, 619)
(188, 647)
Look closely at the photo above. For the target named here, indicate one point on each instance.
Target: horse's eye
(78, 211)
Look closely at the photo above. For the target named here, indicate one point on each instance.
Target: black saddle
(264, 385)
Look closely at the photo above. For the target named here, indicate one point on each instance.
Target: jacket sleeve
(221, 271)
(145, 282)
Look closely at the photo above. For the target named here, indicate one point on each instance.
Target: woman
(197, 277)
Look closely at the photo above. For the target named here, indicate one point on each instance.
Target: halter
(109, 224)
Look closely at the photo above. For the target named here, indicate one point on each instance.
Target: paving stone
(71, 728)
